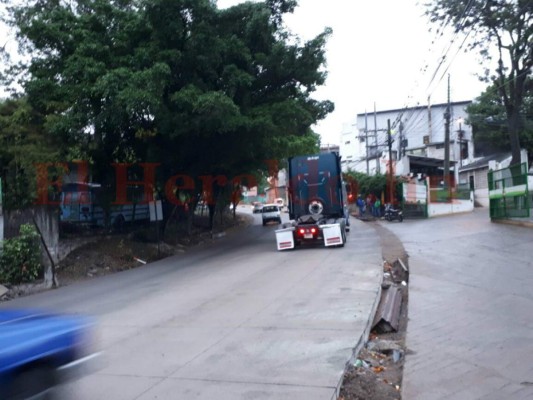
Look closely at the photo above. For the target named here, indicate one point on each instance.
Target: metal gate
(508, 192)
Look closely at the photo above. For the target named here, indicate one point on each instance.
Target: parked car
(40, 350)
(257, 207)
(271, 212)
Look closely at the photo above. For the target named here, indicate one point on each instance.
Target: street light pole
(460, 136)
(391, 179)
(446, 174)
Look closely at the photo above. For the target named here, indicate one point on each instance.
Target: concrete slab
(470, 303)
(169, 349)
(101, 387)
(331, 312)
(172, 388)
(275, 356)
(236, 320)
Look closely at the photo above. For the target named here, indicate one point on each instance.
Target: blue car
(40, 350)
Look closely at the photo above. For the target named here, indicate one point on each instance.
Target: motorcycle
(392, 213)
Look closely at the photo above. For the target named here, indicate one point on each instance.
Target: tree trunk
(211, 208)
(513, 118)
(190, 216)
(514, 128)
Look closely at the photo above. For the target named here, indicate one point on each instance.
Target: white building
(418, 136)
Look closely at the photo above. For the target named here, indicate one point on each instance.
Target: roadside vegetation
(20, 257)
(500, 32)
(190, 89)
(213, 100)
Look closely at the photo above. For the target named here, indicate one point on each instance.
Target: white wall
(434, 152)
(415, 122)
(454, 207)
(482, 197)
(350, 147)
(458, 206)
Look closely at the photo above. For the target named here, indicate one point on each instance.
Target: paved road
(470, 328)
(237, 320)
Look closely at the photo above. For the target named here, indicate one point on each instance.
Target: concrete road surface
(470, 330)
(235, 320)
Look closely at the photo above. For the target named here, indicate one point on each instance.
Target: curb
(362, 339)
(524, 224)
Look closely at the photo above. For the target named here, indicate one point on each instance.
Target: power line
(443, 58)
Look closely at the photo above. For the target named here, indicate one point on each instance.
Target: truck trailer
(318, 208)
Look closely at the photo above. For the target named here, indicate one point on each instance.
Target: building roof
(424, 107)
(484, 162)
(428, 161)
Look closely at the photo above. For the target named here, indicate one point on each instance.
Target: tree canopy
(505, 26)
(363, 184)
(489, 123)
(22, 144)
(178, 82)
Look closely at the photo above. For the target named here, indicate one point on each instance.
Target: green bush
(20, 257)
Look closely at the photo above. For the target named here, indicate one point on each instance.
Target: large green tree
(503, 28)
(488, 118)
(179, 82)
(23, 143)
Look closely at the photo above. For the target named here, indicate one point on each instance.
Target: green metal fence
(462, 192)
(508, 192)
(441, 195)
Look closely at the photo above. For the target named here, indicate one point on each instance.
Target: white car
(271, 212)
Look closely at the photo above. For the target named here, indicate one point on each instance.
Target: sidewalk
(525, 222)
(470, 322)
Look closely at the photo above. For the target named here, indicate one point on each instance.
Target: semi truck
(318, 208)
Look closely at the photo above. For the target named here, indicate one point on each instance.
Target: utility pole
(401, 144)
(366, 143)
(391, 179)
(376, 139)
(447, 143)
(460, 140)
(429, 120)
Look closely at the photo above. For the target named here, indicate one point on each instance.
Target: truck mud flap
(285, 238)
(332, 235)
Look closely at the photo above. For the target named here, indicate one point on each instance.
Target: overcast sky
(381, 52)
(377, 54)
